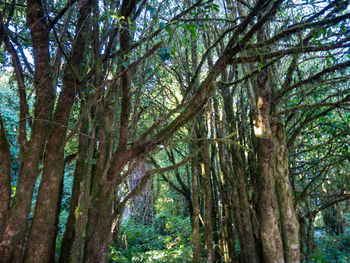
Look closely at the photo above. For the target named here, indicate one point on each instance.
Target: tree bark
(242, 210)
(57, 219)
(288, 217)
(15, 228)
(195, 218)
(267, 205)
(209, 238)
(99, 235)
(76, 252)
(69, 233)
(267, 200)
(5, 174)
(40, 238)
(142, 204)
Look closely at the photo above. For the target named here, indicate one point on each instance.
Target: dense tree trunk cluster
(232, 89)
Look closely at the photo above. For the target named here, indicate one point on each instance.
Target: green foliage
(9, 111)
(332, 248)
(166, 240)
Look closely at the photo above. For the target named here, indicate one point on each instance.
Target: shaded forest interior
(174, 131)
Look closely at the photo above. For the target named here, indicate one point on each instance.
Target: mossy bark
(69, 233)
(80, 214)
(239, 183)
(99, 232)
(267, 200)
(42, 230)
(288, 217)
(5, 174)
(195, 217)
(14, 230)
(142, 204)
(205, 168)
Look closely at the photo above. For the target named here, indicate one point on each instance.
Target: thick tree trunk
(142, 204)
(97, 206)
(267, 200)
(42, 231)
(267, 205)
(99, 232)
(40, 238)
(15, 228)
(5, 174)
(288, 217)
(16, 224)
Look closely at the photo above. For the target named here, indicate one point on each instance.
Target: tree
(116, 81)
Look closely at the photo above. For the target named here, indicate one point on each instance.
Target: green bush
(166, 240)
(331, 248)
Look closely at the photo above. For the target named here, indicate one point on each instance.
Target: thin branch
(297, 28)
(294, 50)
(61, 13)
(313, 78)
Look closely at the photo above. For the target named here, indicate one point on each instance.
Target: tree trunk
(229, 235)
(267, 201)
(243, 221)
(267, 205)
(142, 204)
(209, 238)
(15, 228)
(288, 217)
(69, 233)
(76, 252)
(43, 227)
(5, 174)
(195, 218)
(215, 219)
(302, 228)
(309, 239)
(40, 238)
(58, 210)
(98, 236)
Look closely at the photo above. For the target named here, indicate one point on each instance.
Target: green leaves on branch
(192, 29)
(164, 53)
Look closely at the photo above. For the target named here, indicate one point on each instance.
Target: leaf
(165, 56)
(125, 64)
(162, 25)
(193, 33)
(151, 10)
(329, 32)
(169, 30)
